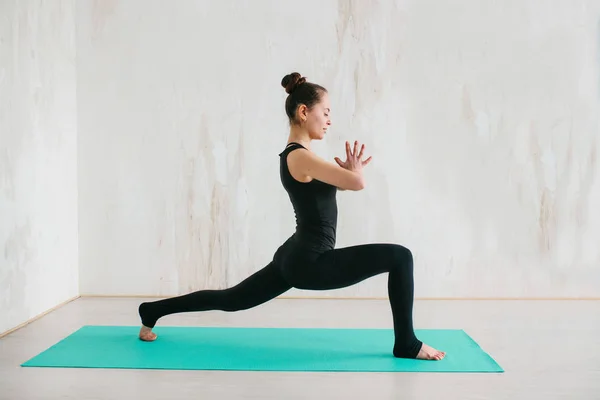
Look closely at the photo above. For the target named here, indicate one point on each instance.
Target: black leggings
(331, 269)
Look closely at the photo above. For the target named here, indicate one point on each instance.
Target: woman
(308, 259)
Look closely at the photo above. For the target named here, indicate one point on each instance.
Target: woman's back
(314, 204)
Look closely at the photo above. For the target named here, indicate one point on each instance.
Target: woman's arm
(347, 175)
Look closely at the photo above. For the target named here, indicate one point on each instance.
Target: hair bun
(292, 81)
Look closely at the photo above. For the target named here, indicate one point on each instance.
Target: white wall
(482, 118)
(38, 158)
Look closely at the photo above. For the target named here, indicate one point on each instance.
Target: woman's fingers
(355, 154)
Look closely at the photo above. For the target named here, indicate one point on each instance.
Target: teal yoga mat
(259, 349)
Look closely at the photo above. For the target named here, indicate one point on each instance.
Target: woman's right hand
(354, 160)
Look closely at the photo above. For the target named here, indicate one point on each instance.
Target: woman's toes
(146, 334)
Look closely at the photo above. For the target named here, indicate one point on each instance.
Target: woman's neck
(300, 136)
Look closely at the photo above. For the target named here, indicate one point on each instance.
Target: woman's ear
(302, 113)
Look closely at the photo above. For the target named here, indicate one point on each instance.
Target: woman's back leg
(258, 288)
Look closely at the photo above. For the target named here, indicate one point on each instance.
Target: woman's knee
(402, 256)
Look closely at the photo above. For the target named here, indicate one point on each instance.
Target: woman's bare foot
(429, 353)
(147, 335)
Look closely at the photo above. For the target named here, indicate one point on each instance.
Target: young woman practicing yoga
(308, 259)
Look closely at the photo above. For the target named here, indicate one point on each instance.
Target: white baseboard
(37, 317)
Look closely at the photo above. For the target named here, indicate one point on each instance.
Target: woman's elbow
(358, 184)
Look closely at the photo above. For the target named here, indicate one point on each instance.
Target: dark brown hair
(300, 92)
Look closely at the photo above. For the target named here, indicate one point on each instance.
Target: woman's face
(317, 118)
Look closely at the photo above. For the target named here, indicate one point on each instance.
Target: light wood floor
(549, 350)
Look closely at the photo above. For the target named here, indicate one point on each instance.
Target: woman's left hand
(354, 158)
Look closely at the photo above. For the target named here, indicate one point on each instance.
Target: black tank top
(314, 204)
